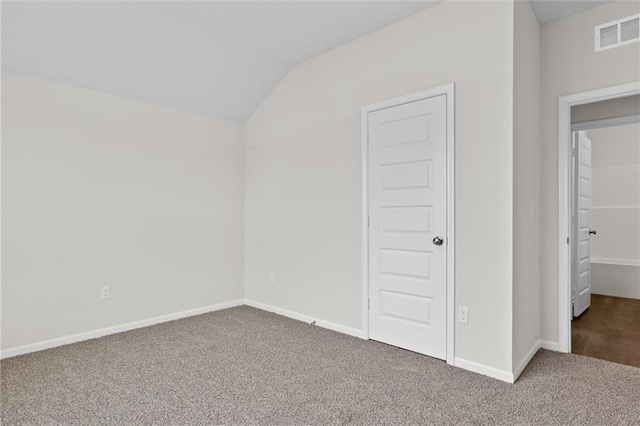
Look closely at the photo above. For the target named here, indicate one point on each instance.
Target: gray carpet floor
(246, 366)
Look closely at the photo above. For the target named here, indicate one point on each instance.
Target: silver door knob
(592, 232)
(438, 241)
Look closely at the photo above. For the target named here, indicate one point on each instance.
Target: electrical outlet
(272, 278)
(463, 314)
(105, 292)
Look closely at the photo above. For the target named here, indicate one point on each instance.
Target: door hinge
(368, 303)
(567, 240)
(368, 221)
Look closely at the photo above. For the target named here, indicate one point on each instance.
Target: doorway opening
(600, 224)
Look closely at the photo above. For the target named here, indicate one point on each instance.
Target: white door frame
(564, 194)
(449, 91)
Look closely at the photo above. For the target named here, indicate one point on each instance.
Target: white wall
(99, 190)
(615, 210)
(526, 184)
(612, 108)
(570, 65)
(303, 173)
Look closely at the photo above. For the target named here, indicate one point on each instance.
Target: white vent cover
(618, 33)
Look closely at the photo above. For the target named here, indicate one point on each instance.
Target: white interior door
(581, 277)
(407, 181)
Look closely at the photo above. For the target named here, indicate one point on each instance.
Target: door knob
(438, 241)
(592, 232)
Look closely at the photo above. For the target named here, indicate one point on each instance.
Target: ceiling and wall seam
(215, 59)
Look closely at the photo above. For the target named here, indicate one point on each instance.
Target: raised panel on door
(407, 209)
(581, 279)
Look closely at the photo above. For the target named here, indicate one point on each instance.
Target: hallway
(609, 330)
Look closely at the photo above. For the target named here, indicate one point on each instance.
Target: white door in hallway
(581, 276)
(407, 181)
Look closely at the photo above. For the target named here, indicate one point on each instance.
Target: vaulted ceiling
(211, 58)
(217, 59)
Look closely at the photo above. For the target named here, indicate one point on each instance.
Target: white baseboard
(495, 373)
(552, 346)
(305, 318)
(526, 360)
(93, 334)
(485, 370)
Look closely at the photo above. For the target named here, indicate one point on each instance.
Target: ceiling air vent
(618, 33)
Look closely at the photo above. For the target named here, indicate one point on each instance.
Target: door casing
(449, 91)
(565, 103)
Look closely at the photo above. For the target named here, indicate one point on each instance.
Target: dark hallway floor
(609, 329)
